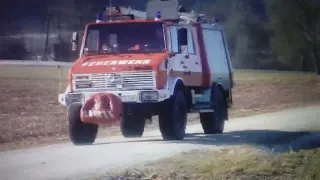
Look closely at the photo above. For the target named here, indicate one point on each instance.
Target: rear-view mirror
(74, 41)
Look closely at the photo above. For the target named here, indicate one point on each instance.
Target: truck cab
(167, 67)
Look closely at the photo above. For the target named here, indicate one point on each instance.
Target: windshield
(125, 38)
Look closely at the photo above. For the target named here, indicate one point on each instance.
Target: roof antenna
(110, 6)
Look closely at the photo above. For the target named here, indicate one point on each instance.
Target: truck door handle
(184, 67)
(186, 56)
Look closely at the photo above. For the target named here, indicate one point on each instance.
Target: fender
(171, 84)
(214, 87)
(61, 97)
(206, 95)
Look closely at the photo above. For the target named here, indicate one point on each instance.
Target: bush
(11, 48)
(62, 51)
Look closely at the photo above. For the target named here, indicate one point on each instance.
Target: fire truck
(168, 63)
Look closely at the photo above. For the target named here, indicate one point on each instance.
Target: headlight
(74, 98)
(149, 96)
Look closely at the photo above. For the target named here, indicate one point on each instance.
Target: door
(186, 61)
(192, 59)
(177, 61)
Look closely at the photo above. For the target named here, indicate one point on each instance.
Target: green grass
(52, 73)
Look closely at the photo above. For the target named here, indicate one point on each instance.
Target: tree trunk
(45, 52)
(316, 58)
(47, 30)
(59, 28)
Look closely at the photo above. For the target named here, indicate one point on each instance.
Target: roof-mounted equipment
(113, 14)
(170, 10)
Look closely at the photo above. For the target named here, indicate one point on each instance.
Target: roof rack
(113, 14)
(155, 10)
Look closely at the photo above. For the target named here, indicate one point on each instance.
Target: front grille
(123, 81)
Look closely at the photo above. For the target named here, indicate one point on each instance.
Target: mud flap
(101, 108)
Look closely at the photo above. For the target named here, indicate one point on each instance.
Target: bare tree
(48, 21)
(297, 27)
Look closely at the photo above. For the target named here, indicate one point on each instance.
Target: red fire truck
(168, 64)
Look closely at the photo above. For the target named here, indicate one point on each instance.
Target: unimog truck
(167, 64)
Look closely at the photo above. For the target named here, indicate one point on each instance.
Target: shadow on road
(278, 141)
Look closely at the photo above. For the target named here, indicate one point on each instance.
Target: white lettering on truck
(117, 62)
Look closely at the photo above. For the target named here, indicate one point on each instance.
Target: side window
(113, 39)
(92, 42)
(174, 44)
(174, 39)
(190, 43)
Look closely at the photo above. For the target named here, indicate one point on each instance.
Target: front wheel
(173, 117)
(80, 133)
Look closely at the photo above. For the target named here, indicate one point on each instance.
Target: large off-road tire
(213, 122)
(80, 133)
(131, 123)
(173, 117)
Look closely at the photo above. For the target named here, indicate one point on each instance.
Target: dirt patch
(31, 115)
(241, 163)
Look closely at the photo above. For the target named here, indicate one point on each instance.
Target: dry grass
(239, 163)
(31, 115)
(52, 73)
(35, 73)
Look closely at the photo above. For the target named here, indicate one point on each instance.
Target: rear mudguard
(101, 108)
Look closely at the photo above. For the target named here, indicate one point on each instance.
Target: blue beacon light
(158, 15)
(100, 17)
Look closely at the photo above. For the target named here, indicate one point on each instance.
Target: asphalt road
(65, 161)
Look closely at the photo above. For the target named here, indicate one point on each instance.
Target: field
(30, 114)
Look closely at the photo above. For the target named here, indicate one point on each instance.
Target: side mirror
(171, 54)
(183, 37)
(74, 41)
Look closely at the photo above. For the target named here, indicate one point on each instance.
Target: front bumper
(126, 96)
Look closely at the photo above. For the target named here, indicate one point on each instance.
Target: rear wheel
(213, 122)
(173, 117)
(132, 123)
(80, 133)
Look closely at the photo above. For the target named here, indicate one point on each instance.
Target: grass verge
(239, 163)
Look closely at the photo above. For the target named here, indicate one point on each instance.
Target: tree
(296, 24)
(247, 38)
(63, 16)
